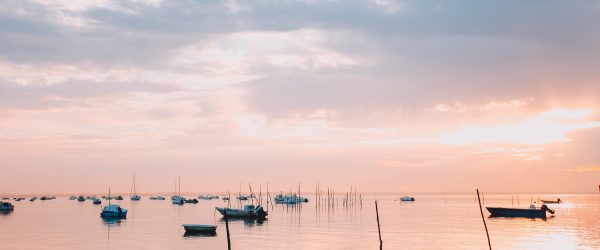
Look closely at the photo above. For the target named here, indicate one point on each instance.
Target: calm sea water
(432, 222)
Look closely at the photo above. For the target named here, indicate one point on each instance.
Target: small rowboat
(407, 198)
(517, 212)
(552, 202)
(199, 228)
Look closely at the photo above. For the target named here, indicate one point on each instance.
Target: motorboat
(205, 197)
(177, 200)
(407, 198)
(6, 206)
(519, 212)
(193, 201)
(157, 198)
(242, 198)
(73, 198)
(119, 198)
(113, 211)
(249, 211)
(96, 201)
(81, 198)
(199, 228)
(33, 199)
(289, 199)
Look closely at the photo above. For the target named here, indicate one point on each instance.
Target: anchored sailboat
(134, 196)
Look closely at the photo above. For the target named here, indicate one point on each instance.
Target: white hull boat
(249, 211)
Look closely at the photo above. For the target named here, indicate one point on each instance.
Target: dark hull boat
(516, 212)
(552, 202)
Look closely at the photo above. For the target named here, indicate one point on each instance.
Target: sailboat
(134, 196)
(177, 199)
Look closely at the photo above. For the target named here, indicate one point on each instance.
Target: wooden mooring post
(378, 227)
(484, 224)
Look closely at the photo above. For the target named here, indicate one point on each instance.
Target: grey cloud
(70, 92)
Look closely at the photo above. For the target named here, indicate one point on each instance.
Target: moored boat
(160, 198)
(249, 211)
(407, 198)
(518, 212)
(199, 228)
(193, 201)
(177, 200)
(557, 201)
(113, 211)
(6, 206)
(81, 198)
(96, 201)
(289, 199)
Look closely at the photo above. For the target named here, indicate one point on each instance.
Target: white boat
(134, 196)
(177, 200)
(199, 228)
(407, 198)
(289, 199)
(249, 211)
(205, 197)
(6, 206)
(113, 211)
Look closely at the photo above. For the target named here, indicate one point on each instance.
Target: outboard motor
(261, 212)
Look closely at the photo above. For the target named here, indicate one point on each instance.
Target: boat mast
(109, 197)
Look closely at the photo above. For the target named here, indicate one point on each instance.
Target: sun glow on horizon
(546, 127)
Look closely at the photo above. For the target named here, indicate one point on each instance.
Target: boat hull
(197, 228)
(237, 213)
(113, 214)
(516, 212)
(550, 202)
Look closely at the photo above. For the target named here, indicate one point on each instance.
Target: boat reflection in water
(199, 234)
(113, 221)
(5, 212)
(248, 222)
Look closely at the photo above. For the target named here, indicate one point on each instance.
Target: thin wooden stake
(483, 218)
(378, 227)
(227, 229)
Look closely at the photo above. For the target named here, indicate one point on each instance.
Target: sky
(387, 96)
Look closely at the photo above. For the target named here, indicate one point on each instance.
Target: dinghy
(199, 228)
(407, 198)
(557, 201)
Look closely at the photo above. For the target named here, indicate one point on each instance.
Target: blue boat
(113, 211)
(518, 212)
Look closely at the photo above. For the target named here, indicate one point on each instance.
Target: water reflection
(5, 212)
(112, 221)
(199, 234)
(248, 222)
(519, 218)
